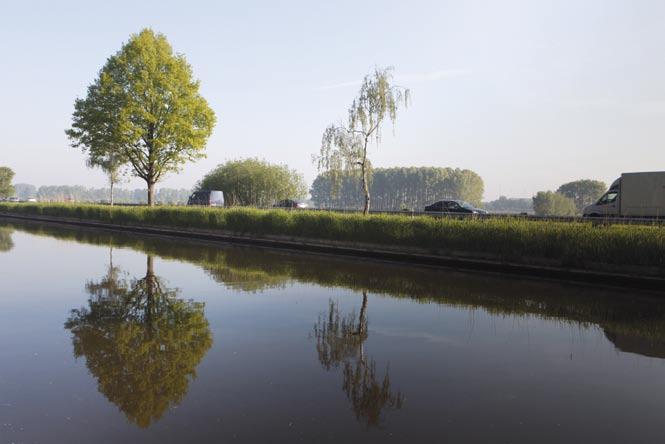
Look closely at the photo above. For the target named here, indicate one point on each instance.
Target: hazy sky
(529, 94)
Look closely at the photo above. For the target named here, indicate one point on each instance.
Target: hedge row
(571, 244)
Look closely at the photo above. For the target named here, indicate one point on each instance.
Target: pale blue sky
(529, 94)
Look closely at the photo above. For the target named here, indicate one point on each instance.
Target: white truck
(632, 195)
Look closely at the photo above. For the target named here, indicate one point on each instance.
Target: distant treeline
(78, 193)
(510, 205)
(399, 188)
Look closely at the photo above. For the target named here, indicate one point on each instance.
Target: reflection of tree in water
(339, 342)
(635, 321)
(6, 242)
(140, 341)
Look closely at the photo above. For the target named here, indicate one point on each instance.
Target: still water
(108, 337)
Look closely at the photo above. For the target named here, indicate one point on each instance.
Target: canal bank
(651, 278)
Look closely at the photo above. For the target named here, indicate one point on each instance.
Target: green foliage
(254, 182)
(344, 148)
(581, 244)
(6, 176)
(583, 192)
(144, 109)
(140, 341)
(398, 188)
(548, 203)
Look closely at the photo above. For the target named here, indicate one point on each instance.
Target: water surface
(109, 337)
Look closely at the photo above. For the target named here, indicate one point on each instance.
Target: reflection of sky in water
(481, 364)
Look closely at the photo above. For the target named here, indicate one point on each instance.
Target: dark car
(207, 198)
(454, 206)
(289, 203)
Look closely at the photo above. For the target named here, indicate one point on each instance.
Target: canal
(110, 337)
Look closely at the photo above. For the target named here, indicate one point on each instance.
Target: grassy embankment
(568, 244)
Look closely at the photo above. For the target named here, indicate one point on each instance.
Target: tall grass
(568, 244)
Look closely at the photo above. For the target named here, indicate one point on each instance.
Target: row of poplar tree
(399, 188)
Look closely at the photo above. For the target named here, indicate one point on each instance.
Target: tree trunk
(363, 315)
(112, 192)
(150, 289)
(151, 193)
(363, 167)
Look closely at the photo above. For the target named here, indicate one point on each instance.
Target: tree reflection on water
(340, 342)
(6, 242)
(140, 341)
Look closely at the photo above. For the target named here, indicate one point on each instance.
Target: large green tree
(548, 203)
(254, 182)
(6, 176)
(144, 109)
(344, 147)
(583, 192)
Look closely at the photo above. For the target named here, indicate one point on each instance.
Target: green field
(568, 244)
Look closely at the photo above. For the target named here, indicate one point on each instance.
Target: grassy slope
(570, 244)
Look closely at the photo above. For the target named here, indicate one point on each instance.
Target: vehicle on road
(13, 199)
(453, 206)
(632, 195)
(289, 203)
(207, 198)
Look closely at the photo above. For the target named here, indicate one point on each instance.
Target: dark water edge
(368, 352)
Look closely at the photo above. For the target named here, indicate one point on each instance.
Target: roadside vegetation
(567, 244)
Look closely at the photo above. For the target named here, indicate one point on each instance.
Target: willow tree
(344, 147)
(144, 109)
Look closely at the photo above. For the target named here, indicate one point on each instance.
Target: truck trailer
(632, 195)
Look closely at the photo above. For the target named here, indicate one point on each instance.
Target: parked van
(208, 198)
(632, 195)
